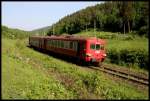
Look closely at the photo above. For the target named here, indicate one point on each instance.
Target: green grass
(127, 44)
(22, 79)
(119, 41)
(28, 74)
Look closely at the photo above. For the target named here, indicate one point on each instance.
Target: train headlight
(104, 55)
(88, 54)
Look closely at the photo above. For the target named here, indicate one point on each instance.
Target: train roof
(68, 37)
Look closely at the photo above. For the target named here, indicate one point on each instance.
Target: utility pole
(94, 27)
(53, 29)
(86, 27)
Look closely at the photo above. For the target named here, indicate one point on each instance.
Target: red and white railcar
(88, 49)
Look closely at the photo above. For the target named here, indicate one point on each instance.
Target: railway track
(125, 75)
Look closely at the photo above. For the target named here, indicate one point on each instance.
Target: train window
(54, 43)
(97, 46)
(62, 44)
(75, 46)
(71, 45)
(67, 44)
(58, 43)
(49, 42)
(92, 46)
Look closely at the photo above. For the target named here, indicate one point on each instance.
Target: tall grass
(28, 74)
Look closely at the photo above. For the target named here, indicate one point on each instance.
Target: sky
(33, 15)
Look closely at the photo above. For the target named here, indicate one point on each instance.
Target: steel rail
(124, 75)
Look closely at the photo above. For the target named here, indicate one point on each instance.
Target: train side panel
(34, 42)
(62, 46)
(88, 50)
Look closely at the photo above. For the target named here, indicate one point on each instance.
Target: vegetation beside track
(29, 74)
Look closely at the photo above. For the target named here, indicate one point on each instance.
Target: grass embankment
(29, 74)
(127, 50)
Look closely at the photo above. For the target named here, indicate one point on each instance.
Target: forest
(118, 16)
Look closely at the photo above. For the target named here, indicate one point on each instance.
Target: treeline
(117, 16)
(14, 33)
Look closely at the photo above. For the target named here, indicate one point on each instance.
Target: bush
(114, 56)
(143, 60)
(143, 30)
(129, 57)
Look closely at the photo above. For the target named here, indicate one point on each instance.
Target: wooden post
(94, 27)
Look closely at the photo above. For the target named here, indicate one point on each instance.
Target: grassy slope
(28, 74)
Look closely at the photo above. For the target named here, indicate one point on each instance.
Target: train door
(40, 42)
(44, 43)
(81, 49)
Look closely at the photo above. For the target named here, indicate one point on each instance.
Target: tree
(127, 13)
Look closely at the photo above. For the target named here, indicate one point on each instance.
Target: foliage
(14, 33)
(107, 16)
(129, 57)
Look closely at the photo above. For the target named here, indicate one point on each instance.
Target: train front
(95, 51)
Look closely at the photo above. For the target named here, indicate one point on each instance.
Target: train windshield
(97, 46)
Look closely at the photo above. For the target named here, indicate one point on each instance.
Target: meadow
(29, 74)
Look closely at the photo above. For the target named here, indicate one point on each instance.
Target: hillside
(21, 34)
(41, 31)
(14, 33)
(114, 16)
(30, 74)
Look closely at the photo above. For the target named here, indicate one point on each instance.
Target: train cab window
(92, 46)
(97, 46)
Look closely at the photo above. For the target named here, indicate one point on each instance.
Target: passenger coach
(87, 49)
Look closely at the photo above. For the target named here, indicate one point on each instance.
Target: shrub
(114, 56)
(143, 30)
(129, 57)
(142, 57)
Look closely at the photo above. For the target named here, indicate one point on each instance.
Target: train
(83, 49)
